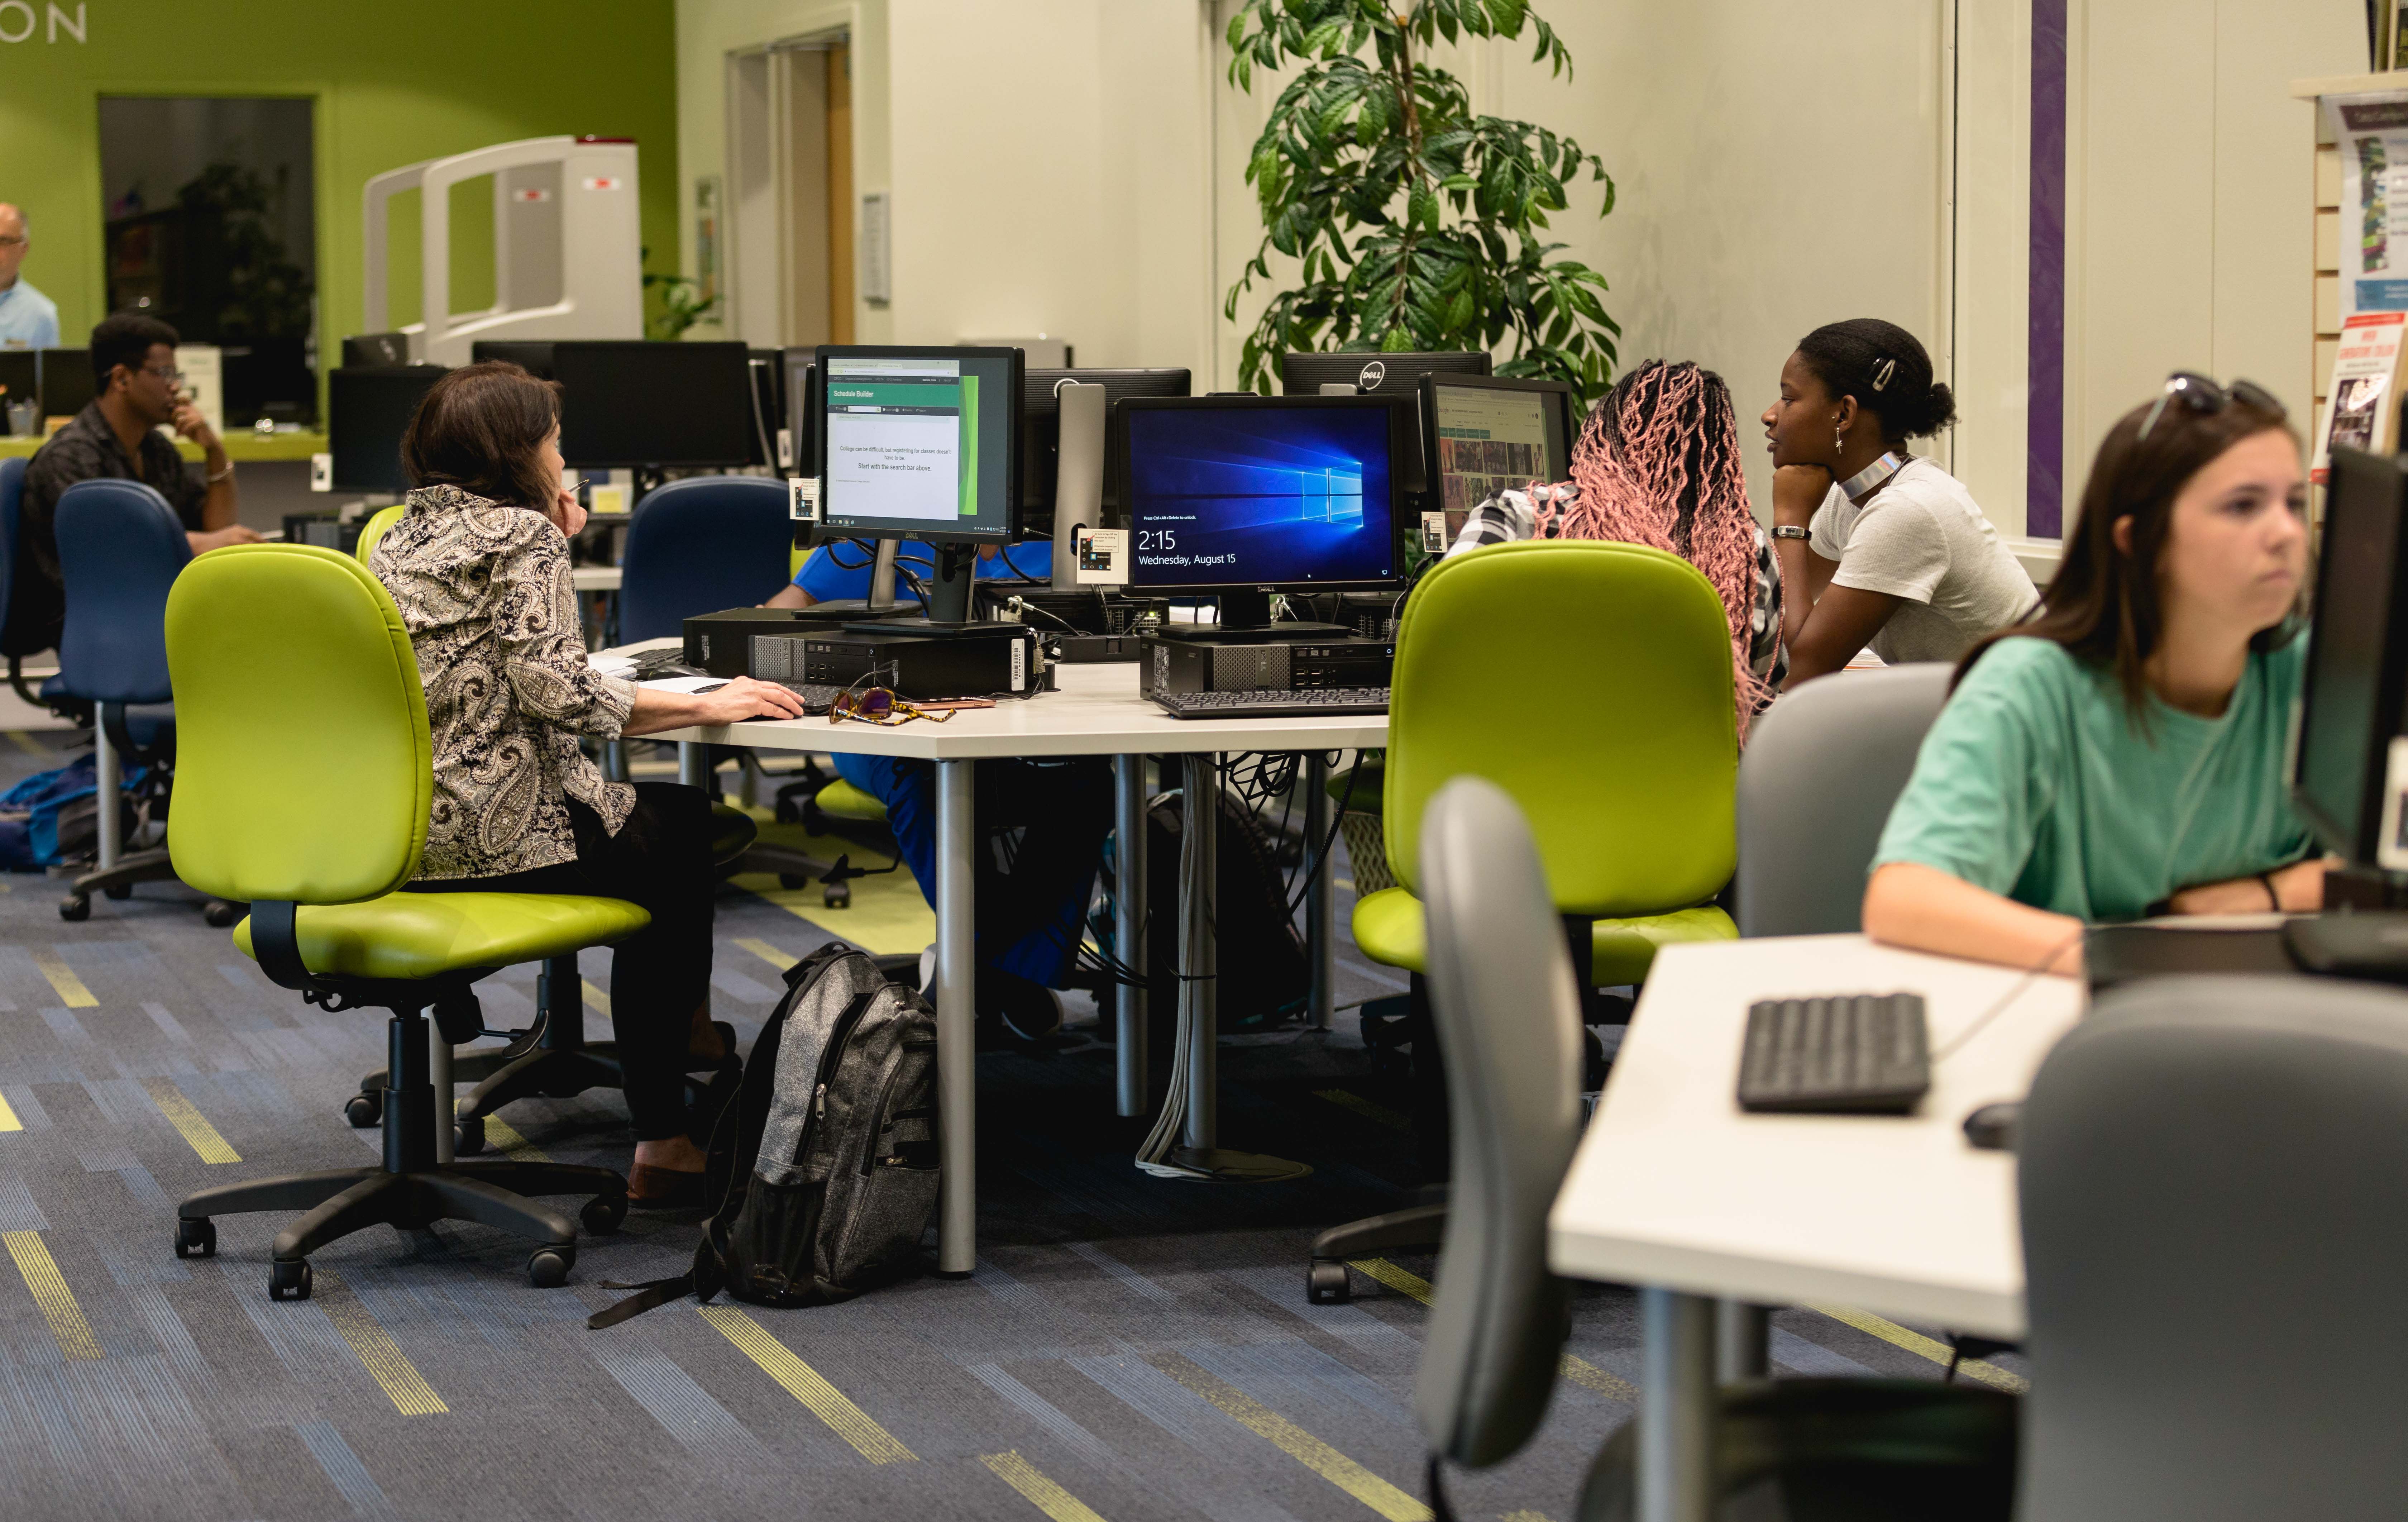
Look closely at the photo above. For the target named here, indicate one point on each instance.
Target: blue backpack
(52, 816)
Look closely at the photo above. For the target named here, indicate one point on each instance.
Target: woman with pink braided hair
(1659, 465)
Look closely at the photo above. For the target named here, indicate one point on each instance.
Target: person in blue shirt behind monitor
(1060, 809)
(28, 320)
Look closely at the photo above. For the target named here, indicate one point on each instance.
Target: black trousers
(660, 860)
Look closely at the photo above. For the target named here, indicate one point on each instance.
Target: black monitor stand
(1246, 619)
(949, 600)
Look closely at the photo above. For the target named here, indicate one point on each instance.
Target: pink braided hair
(1657, 464)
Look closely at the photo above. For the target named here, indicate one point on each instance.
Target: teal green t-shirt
(2034, 783)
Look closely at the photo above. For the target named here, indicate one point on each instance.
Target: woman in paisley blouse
(479, 566)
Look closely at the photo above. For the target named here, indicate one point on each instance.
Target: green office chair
(379, 523)
(305, 779)
(1591, 681)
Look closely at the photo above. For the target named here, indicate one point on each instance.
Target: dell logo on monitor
(1372, 375)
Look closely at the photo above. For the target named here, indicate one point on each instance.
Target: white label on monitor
(1433, 533)
(321, 472)
(2390, 849)
(785, 449)
(802, 497)
(1101, 555)
(1019, 663)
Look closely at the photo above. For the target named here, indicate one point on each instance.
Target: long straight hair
(2103, 604)
(481, 429)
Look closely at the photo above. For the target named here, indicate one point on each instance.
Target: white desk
(1678, 1191)
(595, 577)
(1096, 712)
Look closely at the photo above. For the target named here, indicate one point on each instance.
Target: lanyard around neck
(1868, 481)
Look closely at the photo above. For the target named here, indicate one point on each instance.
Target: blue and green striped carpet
(1130, 1347)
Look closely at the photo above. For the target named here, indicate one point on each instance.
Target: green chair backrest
(374, 530)
(303, 769)
(1592, 681)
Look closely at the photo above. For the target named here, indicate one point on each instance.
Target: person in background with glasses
(116, 436)
(2119, 754)
(28, 319)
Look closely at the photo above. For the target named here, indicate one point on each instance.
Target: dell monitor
(1241, 497)
(68, 381)
(1486, 433)
(1041, 428)
(1396, 376)
(20, 381)
(768, 375)
(921, 443)
(801, 392)
(368, 408)
(528, 354)
(2345, 777)
(631, 404)
(386, 348)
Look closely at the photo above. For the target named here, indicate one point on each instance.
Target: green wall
(395, 83)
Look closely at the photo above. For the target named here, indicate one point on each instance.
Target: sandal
(663, 1189)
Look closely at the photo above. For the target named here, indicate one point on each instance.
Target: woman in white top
(1878, 547)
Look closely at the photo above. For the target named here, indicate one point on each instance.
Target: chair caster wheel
(365, 1109)
(793, 882)
(603, 1214)
(121, 891)
(197, 1238)
(75, 906)
(548, 1267)
(839, 895)
(289, 1280)
(218, 914)
(469, 1137)
(1325, 1284)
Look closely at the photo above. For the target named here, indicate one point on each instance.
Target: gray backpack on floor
(825, 1166)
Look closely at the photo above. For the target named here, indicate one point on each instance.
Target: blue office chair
(699, 546)
(12, 498)
(121, 548)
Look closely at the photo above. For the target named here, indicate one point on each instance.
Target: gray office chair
(1508, 1017)
(1815, 785)
(2214, 1225)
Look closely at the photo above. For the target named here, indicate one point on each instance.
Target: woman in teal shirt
(2121, 753)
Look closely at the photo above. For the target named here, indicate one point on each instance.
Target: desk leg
(1320, 922)
(694, 765)
(1198, 956)
(1743, 1340)
(438, 1072)
(105, 769)
(1677, 1396)
(956, 1016)
(1128, 928)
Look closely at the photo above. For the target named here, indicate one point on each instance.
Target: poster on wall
(2365, 388)
(2371, 132)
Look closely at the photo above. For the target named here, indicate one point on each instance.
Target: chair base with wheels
(145, 733)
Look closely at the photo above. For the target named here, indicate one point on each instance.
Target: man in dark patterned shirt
(134, 359)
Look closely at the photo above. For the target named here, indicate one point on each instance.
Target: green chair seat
(1388, 927)
(840, 799)
(732, 833)
(424, 934)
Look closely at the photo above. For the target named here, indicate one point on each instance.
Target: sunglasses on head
(2202, 397)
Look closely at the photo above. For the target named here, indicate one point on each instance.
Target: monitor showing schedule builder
(919, 443)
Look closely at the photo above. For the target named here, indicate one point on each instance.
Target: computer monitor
(1040, 427)
(2357, 679)
(528, 354)
(631, 404)
(768, 375)
(1485, 433)
(1241, 497)
(1397, 376)
(801, 391)
(368, 408)
(921, 443)
(67, 382)
(20, 381)
(365, 349)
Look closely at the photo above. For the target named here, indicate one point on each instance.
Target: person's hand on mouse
(743, 698)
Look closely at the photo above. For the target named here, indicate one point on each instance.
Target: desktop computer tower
(802, 646)
(1231, 664)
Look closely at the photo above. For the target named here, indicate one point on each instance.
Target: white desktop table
(1676, 1190)
(1096, 711)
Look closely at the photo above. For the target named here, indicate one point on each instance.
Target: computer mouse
(1992, 1128)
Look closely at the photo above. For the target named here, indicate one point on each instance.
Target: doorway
(790, 202)
(210, 222)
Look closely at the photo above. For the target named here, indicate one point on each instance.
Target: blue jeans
(1029, 917)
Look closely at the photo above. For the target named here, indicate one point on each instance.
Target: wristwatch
(1789, 531)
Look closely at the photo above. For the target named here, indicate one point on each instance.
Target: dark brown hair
(2102, 605)
(478, 428)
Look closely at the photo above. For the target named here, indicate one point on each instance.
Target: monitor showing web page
(1490, 439)
(919, 444)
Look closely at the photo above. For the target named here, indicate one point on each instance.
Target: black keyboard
(1316, 702)
(1860, 1053)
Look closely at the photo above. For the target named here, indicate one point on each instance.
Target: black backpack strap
(653, 1292)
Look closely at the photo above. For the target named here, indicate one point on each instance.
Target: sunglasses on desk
(880, 705)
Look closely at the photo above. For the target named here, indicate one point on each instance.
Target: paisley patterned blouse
(484, 590)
